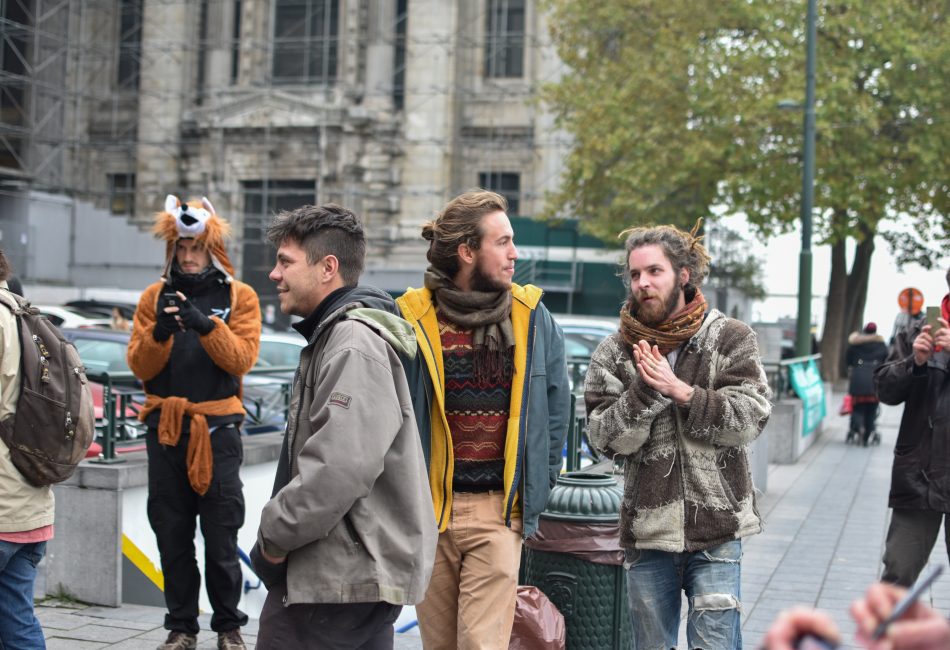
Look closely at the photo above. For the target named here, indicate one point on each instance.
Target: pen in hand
(905, 603)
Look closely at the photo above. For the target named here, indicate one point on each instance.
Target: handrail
(791, 360)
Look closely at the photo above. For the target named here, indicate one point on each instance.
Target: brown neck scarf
(669, 334)
(487, 314)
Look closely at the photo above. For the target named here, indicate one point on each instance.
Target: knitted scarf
(487, 314)
(669, 334)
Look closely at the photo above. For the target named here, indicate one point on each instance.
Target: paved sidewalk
(826, 517)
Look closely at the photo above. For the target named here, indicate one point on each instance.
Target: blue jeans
(710, 578)
(19, 629)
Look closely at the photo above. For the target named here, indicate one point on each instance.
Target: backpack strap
(14, 303)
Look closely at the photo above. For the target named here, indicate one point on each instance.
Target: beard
(481, 282)
(657, 311)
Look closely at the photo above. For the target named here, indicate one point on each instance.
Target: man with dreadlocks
(678, 393)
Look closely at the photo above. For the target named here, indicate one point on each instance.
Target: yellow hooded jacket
(526, 450)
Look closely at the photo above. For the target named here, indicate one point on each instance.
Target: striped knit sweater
(687, 484)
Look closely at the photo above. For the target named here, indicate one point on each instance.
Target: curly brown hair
(683, 250)
(459, 223)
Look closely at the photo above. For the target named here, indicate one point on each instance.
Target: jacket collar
(419, 301)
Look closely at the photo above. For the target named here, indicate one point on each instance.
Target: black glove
(269, 573)
(193, 319)
(165, 326)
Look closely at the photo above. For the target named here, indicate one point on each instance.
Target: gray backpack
(54, 422)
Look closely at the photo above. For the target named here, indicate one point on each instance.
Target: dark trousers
(173, 507)
(910, 539)
(863, 417)
(353, 626)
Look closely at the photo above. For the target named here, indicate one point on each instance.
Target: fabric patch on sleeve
(340, 399)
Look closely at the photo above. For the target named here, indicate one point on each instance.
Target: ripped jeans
(710, 578)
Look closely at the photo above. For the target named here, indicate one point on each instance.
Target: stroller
(856, 429)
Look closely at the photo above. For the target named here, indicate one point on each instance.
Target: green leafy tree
(672, 107)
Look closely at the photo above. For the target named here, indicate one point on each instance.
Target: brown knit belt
(199, 459)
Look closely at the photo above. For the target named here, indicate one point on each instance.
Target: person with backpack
(866, 351)
(196, 333)
(26, 511)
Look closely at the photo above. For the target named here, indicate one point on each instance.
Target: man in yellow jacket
(500, 405)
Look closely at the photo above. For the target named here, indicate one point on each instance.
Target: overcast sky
(780, 276)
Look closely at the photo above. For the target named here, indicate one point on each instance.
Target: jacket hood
(377, 309)
(394, 330)
(193, 220)
(857, 338)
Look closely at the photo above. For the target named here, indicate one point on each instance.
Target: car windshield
(279, 353)
(102, 356)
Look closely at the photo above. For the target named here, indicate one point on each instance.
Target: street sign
(911, 300)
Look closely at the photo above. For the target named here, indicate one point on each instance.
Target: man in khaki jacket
(349, 535)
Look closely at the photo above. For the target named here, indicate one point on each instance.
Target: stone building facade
(389, 107)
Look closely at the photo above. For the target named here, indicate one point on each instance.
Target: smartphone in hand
(933, 313)
(171, 299)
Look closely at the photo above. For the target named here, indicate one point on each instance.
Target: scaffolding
(76, 78)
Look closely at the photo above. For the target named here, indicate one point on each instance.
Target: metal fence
(266, 397)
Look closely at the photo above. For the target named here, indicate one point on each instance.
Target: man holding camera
(915, 375)
(196, 333)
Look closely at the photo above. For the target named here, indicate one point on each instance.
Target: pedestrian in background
(196, 334)
(499, 410)
(916, 375)
(348, 536)
(26, 512)
(679, 393)
(866, 351)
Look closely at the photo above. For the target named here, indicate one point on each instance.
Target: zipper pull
(70, 430)
(42, 346)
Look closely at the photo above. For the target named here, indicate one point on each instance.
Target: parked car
(280, 349)
(104, 351)
(103, 307)
(582, 335)
(596, 326)
(73, 317)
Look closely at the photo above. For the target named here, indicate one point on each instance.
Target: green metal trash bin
(576, 560)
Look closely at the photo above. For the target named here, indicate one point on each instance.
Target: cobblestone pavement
(826, 517)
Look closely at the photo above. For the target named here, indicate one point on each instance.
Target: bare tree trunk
(831, 336)
(857, 293)
(847, 296)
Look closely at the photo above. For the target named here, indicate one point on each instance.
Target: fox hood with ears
(193, 220)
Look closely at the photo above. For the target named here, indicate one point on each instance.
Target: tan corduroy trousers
(470, 602)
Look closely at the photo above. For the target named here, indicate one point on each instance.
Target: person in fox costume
(196, 333)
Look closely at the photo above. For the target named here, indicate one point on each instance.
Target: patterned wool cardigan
(687, 484)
